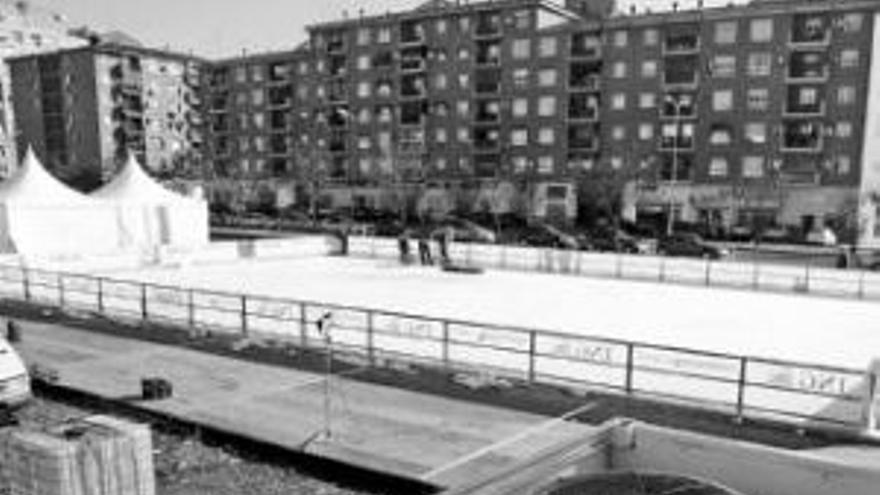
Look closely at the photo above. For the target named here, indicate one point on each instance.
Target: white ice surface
(816, 330)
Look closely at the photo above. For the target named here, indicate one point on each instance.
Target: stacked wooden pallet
(98, 455)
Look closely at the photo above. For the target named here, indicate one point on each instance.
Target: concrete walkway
(441, 441)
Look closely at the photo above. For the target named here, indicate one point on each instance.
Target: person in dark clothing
(425, 250)
(443, 245)
(403, 247)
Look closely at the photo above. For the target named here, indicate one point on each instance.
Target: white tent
(40, 216)
(149, 216)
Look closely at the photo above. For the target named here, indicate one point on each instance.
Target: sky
(223, 28)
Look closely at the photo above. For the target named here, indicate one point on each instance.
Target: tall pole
(323, 323)
(670, 217)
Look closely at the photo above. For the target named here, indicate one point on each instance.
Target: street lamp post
(670, 216)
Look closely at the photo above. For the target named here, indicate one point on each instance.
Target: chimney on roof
(632, 9)
(700, 4)
(361, 12)
(345, 14)
(675, 6)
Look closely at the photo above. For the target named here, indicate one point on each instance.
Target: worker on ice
(424, 250)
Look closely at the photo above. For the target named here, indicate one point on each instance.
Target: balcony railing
(585, 83)
(672, 144)
(681, 45)
(800, 110)
(583, 113)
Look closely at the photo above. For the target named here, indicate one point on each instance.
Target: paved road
(412, 435)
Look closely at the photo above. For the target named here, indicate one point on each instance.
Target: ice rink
(816, 330)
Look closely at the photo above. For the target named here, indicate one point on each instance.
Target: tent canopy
(33, 185)
(133, 185)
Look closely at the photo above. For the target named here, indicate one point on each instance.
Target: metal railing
(743, 386)
(805, 279)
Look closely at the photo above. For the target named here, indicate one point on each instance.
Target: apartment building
(256, 133)
(84, 109)
(24, 29)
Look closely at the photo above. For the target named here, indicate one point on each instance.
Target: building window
(522, 19)
(849, 58)
(463, 135)
(384, 35)
(545, 165)
(546, 106)
(844, 165)
(257, 97)
(722, 100)
(363, 62)
(618, 133)
(440, 26)
(618, 70)
(649, 37)
(758, 99)
(440, 135)
(303, 68)
(363, 36)
(519, 137)
(761, 30)
(720, 135)
(440, 164)
(725, 32)
(724, 66)
(464, 24)
(618, 101)
(547, 77)
(846, 95)
(520, 164)
(521, 49)
(851, 22)
(363, 89)
(441, 81)
(759, 64)
(364, 143)
(756, 132)
(384, 114)
(649, 68)
(363, 116)
(647, 100)
(753, 167)
(546, 136)
(548, 47)
(646, 132)
(844, 129)
(718, 167)
(520, 107)
(462, 107)
(464, 53)
(241, 98)
(616, 162)
(620, 38)
(521, 77)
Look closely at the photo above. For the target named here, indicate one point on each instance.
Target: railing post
(26, 283)
(869, 408)
(303, 326)
(741, 389)
(371, 349)
(533, 349)
(503, 257)
(191, 308)
(244, 316)
(445, 344)
(60, 290)
(662, 275)
(100, 295)
(618, 269)
(756, 275)
(708, 273)
(630, 366)
(807, 276)
(861, 290)
(144, 313)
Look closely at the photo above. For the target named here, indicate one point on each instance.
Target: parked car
(542, 235)
(614, 240)
(778, 234)
(688, 244)
(15, 383)
(740, 233)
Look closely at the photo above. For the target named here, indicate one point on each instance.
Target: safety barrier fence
(741, 385)
(858, 284)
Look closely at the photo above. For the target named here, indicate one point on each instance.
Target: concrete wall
(750, 468)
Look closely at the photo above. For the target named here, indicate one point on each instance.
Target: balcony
(412, 33)
(810, 30)
(802, 137)
(671, 143)
(488, 112)
(412, 62)
(488, 25)
(586, 82)
(807, 67)
(586, 46)
(488, 81)
(794, 109)
(681, 44)
(489, 54)
(335, 44)
(586, 112)
(583, 138)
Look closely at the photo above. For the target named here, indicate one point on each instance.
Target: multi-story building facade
(255, 130)
(24, 29)
(84, 109)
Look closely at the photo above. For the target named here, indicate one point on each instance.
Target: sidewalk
(416, 436)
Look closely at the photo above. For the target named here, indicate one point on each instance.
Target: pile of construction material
(96, 455)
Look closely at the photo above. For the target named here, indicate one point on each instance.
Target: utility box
(98, 455)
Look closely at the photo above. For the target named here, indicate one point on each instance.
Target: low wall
(745, 467)
(856, 284)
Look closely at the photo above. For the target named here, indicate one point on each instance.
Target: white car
(15, 382)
